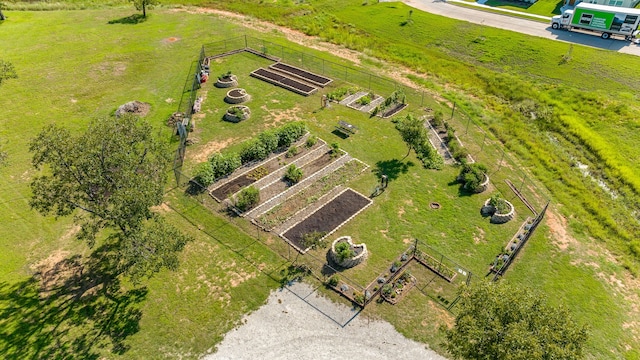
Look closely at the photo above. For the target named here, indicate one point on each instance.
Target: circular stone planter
(497, 218)
(227, 82)
(231, 116)
(237, 96)
(360, 249)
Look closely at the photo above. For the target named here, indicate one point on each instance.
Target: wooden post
(245, 42)
(453, 110)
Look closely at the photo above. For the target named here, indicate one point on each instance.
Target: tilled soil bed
(329, 217)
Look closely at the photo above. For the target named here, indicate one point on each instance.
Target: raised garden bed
(308, 196)
(435, 265)
(303, 74)
(308, 170)
(359, 252)
(394, 291)
(392, 111)
(357, 102)
(328, 218)
(283, 81)
(237, 96)
(227, 81)
(237, 113)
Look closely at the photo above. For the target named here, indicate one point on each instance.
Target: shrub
(333, 281)
(204, 174)
(225, 75)
(253, 150)
(314, 240)
(387, 289)
(311, 140)
(293, 174)
(365, 100)
(293, 151)
(335, 149)
(290, 133)
(269, 140)
(472, 175)
(499, 204)
(344, 251)
(222, 165)
(429, 157)
(438, 119)
(248, 198)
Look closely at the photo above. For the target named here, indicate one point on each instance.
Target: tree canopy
(501, 321)
(109, 177)
(412, 131)
(143, 5)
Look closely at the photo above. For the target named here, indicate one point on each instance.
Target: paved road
(530, 27)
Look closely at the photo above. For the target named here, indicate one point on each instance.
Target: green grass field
(74, 66)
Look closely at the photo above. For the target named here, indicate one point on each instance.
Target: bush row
(253, 150)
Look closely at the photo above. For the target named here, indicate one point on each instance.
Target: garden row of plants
(415, 135)
(257, 149)
(456, 149)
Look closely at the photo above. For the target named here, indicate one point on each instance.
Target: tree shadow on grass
(392, 168)
(131, 20)
(69, 309)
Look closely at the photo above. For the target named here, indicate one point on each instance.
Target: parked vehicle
(607, 20)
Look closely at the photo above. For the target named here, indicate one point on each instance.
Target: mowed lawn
(73, 66)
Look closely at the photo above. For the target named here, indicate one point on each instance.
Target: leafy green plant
(472, 176)
(293, 151)
(247, 198)
(365, 100)
(335, 150)
(333, 281)
(293, 174)
(499, 204)
(311, 140)
(225, 75)
(314, 240)
(344, 251)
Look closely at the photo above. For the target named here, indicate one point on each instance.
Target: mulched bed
(283, 81)
(314, 78)
(310, 195)
(328, 217)
(232, 187)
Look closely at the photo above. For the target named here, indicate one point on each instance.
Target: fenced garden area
(337, 174)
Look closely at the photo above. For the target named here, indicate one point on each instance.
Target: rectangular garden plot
(328, 218)
(283, 81)
(302, 74)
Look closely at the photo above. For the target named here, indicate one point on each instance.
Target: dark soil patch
(236, 93)
(232, 187)
(284, 81)
(321, 80)
(328, 217)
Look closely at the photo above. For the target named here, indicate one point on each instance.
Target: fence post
(483, 140)
(422, 99)
(245, 41)
(466, 131)
(453, 110)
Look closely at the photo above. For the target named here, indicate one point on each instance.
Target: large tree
(501, 321)
(109, 177)
(143, 4)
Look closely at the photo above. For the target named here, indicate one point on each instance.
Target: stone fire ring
(348, 263)
(237, 96)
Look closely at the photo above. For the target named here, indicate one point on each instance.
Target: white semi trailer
(607, 20)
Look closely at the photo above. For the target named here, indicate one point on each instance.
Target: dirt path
(289, 328)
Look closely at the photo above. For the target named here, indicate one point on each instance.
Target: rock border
(351, 262)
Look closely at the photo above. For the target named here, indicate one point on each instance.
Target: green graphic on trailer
(592, 18)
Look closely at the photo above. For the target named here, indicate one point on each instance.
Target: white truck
(608, 20)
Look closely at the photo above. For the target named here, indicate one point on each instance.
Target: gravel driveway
(288, 327)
